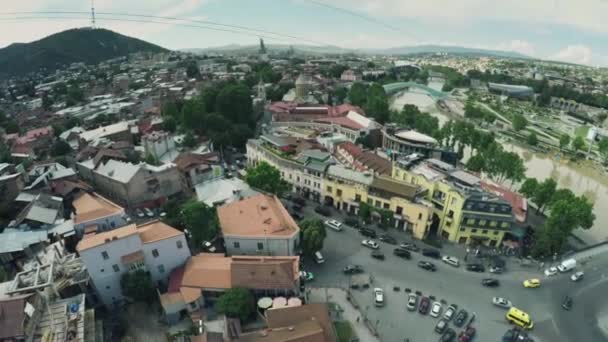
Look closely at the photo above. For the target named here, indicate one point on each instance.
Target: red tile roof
(342, 121)
(519, 204)
(350, 148)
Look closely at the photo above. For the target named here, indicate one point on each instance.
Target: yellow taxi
(532, 283)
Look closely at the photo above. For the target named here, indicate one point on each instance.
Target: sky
(564, 30)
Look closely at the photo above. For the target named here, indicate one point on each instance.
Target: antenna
(92, 14)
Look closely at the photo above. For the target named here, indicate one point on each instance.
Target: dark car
(475, 268)
(370, 233)
(490, 282)
(425, 265)
(461, 318)
(441, 326)
(353, 269)
(567, 303)
(448, 335)
(299, 200)
(431, 253)
(377, 255)
(388, 239)
(321, 210)
(410, 247)
(402, 253)
(467, 334)
(425, 304)
(352, 221)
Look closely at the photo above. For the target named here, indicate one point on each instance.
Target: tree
(603, 148)
(236, 303)
(200, 221)
(151, 159)
(358, 94)
(47, 102)
(189, 140)
(476, 163)
(138, 285)
(564, 141)
(340, 94)
(266, 178)
(192, 70)
(240, 134)
(601, 117)
(10, 126)
(544, 193)
(578, 143)
(193, 115)
(313, 235)
(172, 209)
(519, 122)
(532, 139)
(169, 124)
(234, 103)
(529, 187)
(60, 148)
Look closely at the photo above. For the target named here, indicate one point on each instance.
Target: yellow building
(464, 213)
(348, 190)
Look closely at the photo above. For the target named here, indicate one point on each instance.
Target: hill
(86, 45)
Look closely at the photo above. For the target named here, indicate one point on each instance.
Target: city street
(458, 286)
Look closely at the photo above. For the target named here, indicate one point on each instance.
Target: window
(485, 231)
(155, 253)
(260, 246)
(102, 270)
(378, 204)
(236, 244)
(105, 255)
(505, 224)
(115, 268)
(451, 213)
(339, 192)
(471, 221)
(473, 230)
(357, 198)
(495, 232)
(493, 223)
(329, 189)
(399, 211)
(179, 244)
(161, 268)
(453, 201)
(420, 216)
(482, 222)
(369, 201)
(386, 205)
(462, 229)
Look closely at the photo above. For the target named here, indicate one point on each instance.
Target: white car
(139, 213)
(577, 276)
(436, 309)
(412, 301)
(370, 244)
(378, 296)
(450, 260)
(333, 224)
(551, 271)
(449, 313)
(502, 302)
(149, 212)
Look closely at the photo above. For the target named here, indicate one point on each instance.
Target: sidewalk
(349, 313)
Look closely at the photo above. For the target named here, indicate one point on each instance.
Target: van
(319, 257)
(519, 318)
(333, 224)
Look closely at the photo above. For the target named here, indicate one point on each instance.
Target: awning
(133, 257)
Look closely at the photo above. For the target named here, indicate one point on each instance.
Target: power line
(207, 22)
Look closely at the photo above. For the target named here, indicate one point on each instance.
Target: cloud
(521, 46)
(579, 54)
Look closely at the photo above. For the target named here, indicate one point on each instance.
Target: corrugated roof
(117, 170)
(15, 240)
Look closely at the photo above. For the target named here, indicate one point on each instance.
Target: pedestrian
(358, 319)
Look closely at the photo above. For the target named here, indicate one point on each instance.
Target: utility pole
(92, 14)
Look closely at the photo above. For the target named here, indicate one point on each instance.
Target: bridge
(393, 88)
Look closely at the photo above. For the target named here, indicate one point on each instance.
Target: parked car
(402, 253)
(436, 309)
(409, 246)
(352, 221)
(388, 239)
(333, 224)
(577, 276)
(370, 233)
(448, 336)
(490, 282)
(567, 303)
(319, 257)
(441, 326)
(467, 334)
(502, 302)
(496, 269)
(139, 213)
(532, 283)
(378, 296)
(475, 268)
(370, 244)
(425, 304)
(448, 314)
(461, 318)
(299, 200)
(377, 255)
(551, 271)
(425, 265)
(307, 276)
(412, 301)
(450, 260)
(431, 253)
(321, 210)
(353, 269)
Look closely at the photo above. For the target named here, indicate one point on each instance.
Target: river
(581, 179)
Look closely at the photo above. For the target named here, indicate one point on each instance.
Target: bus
(519, 318)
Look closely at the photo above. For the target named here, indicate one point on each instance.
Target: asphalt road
(458, 286)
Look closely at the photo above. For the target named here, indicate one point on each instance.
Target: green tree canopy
(358, 94)
(169, 124)
(60, 148)
(532, 139)
(200, 220)
(603, 148)
(266, 178)
(564, 141)
(236, 303)
(313, 235)
(529, 187)
(189, 140)
(234, 103)
(578, 143)
(519, 122)
(544, 193)
(138, 285)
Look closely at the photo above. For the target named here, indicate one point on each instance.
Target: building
(94, 213)
(119, 131)
(206, 276)
(11, 183)
(157, 144)
(464, 212)
(350, 190)
(20, 316)
(511, 90)
(198, 168)
(351, 76)
(354, 157)
(133, 185)
(154, 247)
(221, 191)
(405, 141)
(258, 225)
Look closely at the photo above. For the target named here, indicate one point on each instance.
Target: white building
(351, 76)
(96, 213)
(158, 143)
(154, 247)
